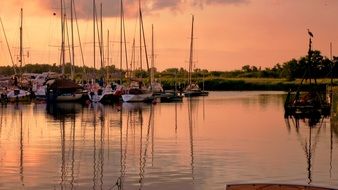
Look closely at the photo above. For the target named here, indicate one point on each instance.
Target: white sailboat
(16, 94)
(136, 91)
(192, 89)
(96, 92)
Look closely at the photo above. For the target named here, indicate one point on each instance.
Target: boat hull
(195, 93)
(68, 97)
(19, 96)
(136, 97)
(103, 98)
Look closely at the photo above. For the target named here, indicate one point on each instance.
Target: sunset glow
(229, 33)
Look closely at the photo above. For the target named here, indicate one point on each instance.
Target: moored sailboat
(16, 93)
(136, 91)
(62, 89)
(193, 89)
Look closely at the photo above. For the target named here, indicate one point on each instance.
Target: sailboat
(193, 89)
(99, 93)
(156, 87)
(63, 89)
(137, 92)
(16, 94)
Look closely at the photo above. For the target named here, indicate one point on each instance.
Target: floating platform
(273, 187)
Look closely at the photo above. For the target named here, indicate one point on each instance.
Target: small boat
(170, 96)
(18, 95)
(267, 186)
(137, 92)
(193, 90)
(63, 90)
(39, 87)
(137, 95)
(106, 94)
(3, 95)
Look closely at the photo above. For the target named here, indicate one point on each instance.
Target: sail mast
(21, 41)
(72, 34)
(191, 50)
(101, 37)
(121, 27)
(152, 55)
(108, 58)
(62, 39)
(94, 14)
(140, 32)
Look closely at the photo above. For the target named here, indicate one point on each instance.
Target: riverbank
(226, 84)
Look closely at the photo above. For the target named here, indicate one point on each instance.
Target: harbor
(154, 94)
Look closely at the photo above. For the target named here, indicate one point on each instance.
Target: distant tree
(246, 68)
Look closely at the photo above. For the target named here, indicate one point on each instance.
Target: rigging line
(144, 159)
(144, 41)
(99, 37)
(9, 49)
(79, 38)
(68, 41)
(125, 41)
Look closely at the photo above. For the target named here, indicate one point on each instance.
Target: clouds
(111, 8)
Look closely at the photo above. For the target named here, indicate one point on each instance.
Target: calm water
(202, 143)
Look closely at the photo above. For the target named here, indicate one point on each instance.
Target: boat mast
(21, 41)
(72, 34)
(94, 33)
(108, 58)
(191, 50)
(144, 40)
(101, 38)
(140, 32)
(62, 39)
(121, 43)
(152, 55)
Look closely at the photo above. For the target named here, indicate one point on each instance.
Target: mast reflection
(21, 152)
(310, 142)
(191, 134)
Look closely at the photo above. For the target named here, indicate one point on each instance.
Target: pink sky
(229, 33)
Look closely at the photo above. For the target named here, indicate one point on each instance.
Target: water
(202, 143)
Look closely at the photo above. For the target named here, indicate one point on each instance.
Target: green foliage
(141, 74)
(311, 65)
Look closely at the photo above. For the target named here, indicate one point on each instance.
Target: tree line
(314, 63)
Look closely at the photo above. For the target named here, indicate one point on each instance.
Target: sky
(228, 34)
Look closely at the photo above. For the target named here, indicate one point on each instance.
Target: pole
(121, 26)
(94, 33)
(152, 55)
(191, 49)
(21, 41)
(62, 39)
(72, 33)
(140, 32)
(101, 43)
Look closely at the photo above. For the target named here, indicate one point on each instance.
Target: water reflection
(61, 111)
(21, 152)
(197, 144)
(191, 108)
(309, 141)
